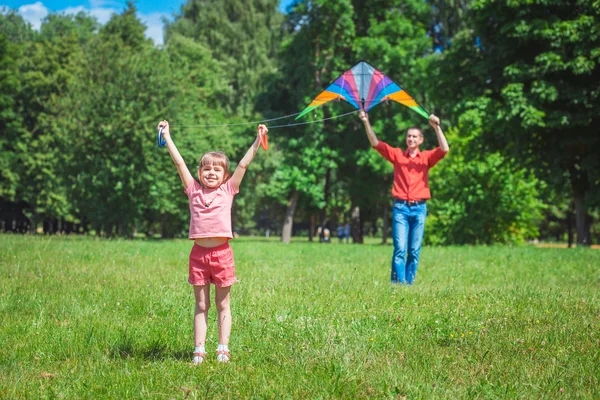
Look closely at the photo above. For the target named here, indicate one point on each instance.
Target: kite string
(236, 124)
(267, 120)
(312, 122)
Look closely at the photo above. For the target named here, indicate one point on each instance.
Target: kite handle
(161, 141)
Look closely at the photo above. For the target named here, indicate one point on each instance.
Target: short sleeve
(388, 152)
(434, 156)
(194, 187)
(230, 188)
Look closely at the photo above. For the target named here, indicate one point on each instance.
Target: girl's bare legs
(224, 313)
(224, 317)
(202, 294)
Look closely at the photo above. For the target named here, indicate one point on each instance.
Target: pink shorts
(212, 265)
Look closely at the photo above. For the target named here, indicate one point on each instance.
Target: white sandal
(199, 357)
(223, 356)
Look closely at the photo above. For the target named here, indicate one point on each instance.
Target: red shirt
(410, 173)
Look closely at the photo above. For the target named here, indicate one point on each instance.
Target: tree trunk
(288, 223)
(357, 236)
(311, 228)
(583, 229)
(49, 228)
(384, 229)
(570, 226)
(163, 226)
(33, 224)
(580, 185)
(324, 221)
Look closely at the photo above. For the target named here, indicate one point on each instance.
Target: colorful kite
(364, 87)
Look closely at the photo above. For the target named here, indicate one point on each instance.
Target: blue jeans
(408, 227)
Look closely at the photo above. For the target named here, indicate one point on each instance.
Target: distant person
(410, 192)
(326, 235)
(267, 233)
(211, 258)
(347, 232)
(340, 233)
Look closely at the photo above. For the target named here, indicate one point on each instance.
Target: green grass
(90, 318)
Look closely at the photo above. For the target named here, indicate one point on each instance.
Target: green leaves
(483, 202)
(538, 80)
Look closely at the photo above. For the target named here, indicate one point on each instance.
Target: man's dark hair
(416, 128)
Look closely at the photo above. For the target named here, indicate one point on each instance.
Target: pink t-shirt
(210, 210)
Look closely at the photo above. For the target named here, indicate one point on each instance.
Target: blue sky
(150, 12)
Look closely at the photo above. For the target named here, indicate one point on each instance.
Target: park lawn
(89, 318)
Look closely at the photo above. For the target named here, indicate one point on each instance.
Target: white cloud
(154, 26)
(33, 13)
(101, 10)
(102, 14)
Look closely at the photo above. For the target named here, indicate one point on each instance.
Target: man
(410, 192)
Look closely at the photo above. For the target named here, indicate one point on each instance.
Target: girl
(211, 258)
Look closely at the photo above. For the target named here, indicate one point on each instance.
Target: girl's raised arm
(238, 175)
(182, 169)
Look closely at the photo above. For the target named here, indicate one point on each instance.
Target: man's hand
(363, 116)
(434, 121)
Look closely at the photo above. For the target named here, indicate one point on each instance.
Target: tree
(14, 27)
(82, 27)
(122, 84)
(10, 121)
(321, 35)
(482, 200)
(246, 37)
(394, 34)
(127, 29)
(45, 71)
(533, 77)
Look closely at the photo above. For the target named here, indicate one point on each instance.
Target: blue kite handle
(161, 141)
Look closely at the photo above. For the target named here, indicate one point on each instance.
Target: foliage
(515, 83)
(15, 28)
(245, 38)
(486, 201)
(10, 119)
(532, 68)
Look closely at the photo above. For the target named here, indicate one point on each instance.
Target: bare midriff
(210, 242)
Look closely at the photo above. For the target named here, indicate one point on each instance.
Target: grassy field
(90, 318)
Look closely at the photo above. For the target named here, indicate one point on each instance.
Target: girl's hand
(262, 138)
(165, 125)
(262, 130)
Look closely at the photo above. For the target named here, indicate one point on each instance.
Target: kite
(363, 86)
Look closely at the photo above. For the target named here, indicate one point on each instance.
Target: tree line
(516, 84)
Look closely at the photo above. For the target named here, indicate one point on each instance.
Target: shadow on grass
(125, 347)
(154, 352)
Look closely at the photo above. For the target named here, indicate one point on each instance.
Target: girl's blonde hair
(215, 158)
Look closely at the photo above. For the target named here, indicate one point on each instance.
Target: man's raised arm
(370, 134)
(435, 124)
